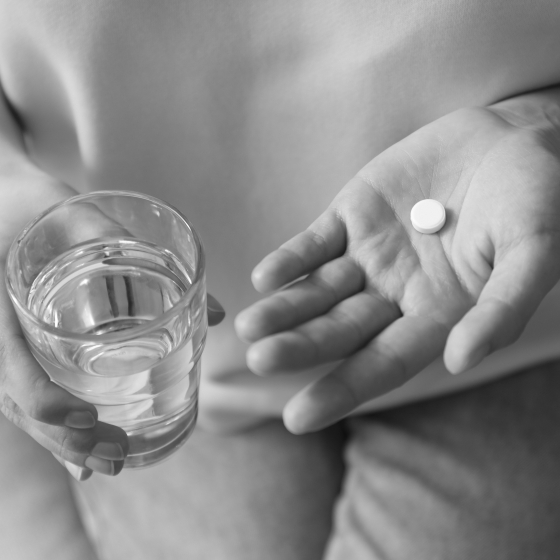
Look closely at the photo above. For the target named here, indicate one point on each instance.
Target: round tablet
(428, 216)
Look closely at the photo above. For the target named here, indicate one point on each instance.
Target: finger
(515, 289)
(403, 349)
(319, 292)
(25, 381)
(334, 336)
(216, 313)
(323, 241)
(78, 473)
(27, 384)
(101, 449)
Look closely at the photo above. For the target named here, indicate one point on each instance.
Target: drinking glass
(109, 289)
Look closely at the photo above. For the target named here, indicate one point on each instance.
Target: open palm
(387, 300)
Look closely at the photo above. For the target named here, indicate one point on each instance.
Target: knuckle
(74, 442)
(344, 322)
(66, 444)
(353, 396)
(5, 353)
(12, 411)
(325, 286)
(395, 364)
(35, 406)
(319, 242)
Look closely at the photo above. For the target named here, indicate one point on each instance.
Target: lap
(38, 517)
(471, 476)
(259, 494)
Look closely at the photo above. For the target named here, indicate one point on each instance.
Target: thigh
(255, 495)
(473, 476)
(38, 517)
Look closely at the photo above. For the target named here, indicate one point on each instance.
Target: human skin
(59, 421)
(467, 290)
(387, 300)
(274, 106)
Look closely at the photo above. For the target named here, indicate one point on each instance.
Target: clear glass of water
(110, 292)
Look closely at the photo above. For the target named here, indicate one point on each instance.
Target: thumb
(216, 312)
(520, 280)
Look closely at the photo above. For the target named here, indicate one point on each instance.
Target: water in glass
(146, 384)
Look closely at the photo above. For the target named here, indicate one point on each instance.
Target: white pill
(428, 216)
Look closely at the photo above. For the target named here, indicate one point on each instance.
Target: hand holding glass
(109, 289)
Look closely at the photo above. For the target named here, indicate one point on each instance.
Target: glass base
(153, 444)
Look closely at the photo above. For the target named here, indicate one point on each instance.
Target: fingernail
(80, 419)
(79, 473)
(101, 466)
(108, 450)
(214, 305)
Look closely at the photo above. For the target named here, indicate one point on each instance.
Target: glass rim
(114, 336)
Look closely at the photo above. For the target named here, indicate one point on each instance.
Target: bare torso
(251, 115)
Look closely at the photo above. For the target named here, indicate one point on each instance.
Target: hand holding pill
(385, 296)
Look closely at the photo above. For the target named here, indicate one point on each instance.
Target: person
(251, 117)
